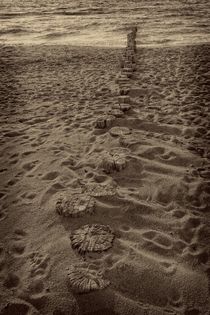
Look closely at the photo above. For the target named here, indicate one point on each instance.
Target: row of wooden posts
(99, 237)
(128, 67)
(128, 62)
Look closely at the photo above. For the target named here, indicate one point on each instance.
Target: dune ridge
(135, 141)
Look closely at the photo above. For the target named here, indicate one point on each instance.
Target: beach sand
(149, 182)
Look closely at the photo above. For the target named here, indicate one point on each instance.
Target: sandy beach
(143, 176)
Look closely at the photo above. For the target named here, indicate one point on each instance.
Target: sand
(149, 179)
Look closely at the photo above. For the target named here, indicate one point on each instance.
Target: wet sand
(147, 172)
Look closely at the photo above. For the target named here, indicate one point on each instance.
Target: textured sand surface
(149, 180)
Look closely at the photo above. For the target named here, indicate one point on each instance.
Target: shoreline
(121, 47)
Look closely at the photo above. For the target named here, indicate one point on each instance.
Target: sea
(104, 22)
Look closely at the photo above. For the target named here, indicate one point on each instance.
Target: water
(105, 22)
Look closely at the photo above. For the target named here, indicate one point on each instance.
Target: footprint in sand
(13, 158)
(2, 170)
(3, 213)
(157, 242)
(29, 196)
(34, 288)
(18, 243)
(125, 228)
(170, 268)
(8, 275)
(11, 281)
(29, 165)
(15, 155)
(19, 234)
(192, 311)
(188, 228)
(27, 153)
(151, 153)
(12, 182)
(177, 213)
(17, 307)
(39, 265)
(17, 246)
(50, 176)
(2, 259)
(196, 255)
(2, 194)
(51, 191)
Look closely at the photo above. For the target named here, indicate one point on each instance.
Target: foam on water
(104, 23)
